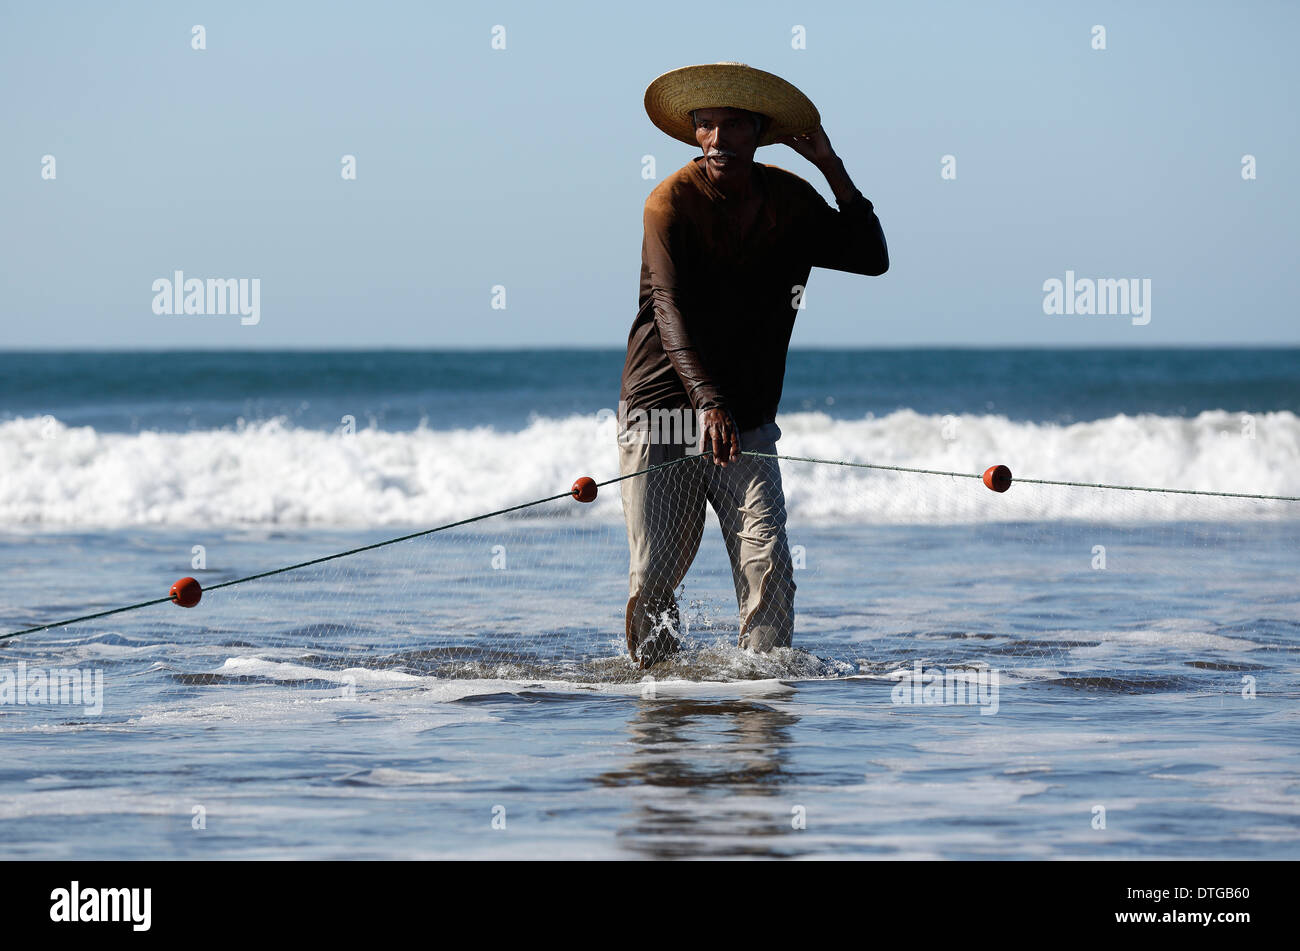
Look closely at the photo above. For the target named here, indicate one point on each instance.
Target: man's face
(728, 138)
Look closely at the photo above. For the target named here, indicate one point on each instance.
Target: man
(728, 247)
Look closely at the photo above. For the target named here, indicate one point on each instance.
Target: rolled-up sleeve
(665, 256)
(850, 239)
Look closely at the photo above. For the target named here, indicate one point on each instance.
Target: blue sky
(522, 167)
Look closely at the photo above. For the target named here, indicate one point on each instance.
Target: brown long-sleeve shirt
(716, 310)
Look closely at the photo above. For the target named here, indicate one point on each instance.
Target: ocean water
(1128, 661)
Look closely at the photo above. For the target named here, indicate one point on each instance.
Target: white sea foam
(438, 690)
(275, 670)
(270, 473)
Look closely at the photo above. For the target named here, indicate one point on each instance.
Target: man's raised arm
(850, 239)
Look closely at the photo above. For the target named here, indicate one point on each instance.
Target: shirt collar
(702, 180)
(707, 186)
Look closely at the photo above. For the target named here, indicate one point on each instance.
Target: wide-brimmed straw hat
(670, 99)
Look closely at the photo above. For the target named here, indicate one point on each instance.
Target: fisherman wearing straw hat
(728, 247)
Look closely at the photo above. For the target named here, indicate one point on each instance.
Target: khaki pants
(665, 522)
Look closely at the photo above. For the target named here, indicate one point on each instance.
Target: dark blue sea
(1057, 671)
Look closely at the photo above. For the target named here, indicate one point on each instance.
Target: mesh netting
(884, 569)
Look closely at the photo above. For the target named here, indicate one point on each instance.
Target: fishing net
(897, 574)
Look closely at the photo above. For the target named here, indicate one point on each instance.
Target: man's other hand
(718, 432)
(815, 146)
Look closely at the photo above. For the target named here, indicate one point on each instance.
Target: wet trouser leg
(750, 504)
(664, 511)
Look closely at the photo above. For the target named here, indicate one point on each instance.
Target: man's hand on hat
(814, 146)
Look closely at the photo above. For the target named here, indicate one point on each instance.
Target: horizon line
(619, 349)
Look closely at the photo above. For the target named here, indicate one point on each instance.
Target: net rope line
(1078, 485)
(350, 551)
(616, 479)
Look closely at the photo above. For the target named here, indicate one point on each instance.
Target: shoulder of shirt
(673, 192)
(681, 189)
(789, 183)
